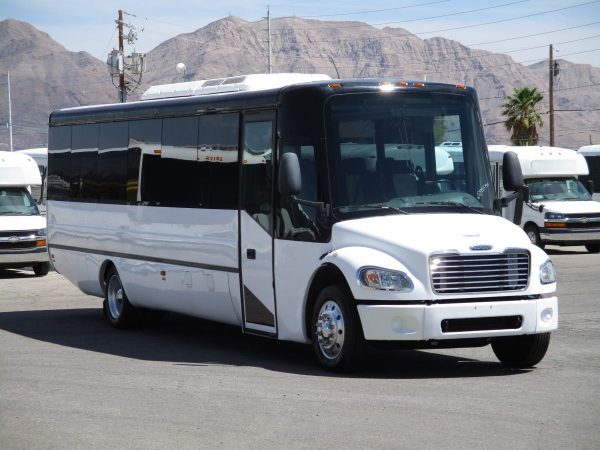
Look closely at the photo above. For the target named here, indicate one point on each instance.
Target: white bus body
(591, 153)
(559, 210)
(22, 227)
(346, 227)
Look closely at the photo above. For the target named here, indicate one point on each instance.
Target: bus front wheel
(337, 336)
(521, 352)
(118, 310)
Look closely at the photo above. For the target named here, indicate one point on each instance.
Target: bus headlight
(388, 280)
(41, 232)
(547, 273)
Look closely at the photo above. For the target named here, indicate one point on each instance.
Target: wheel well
(328, 274)
(530, 224)
(104, 268)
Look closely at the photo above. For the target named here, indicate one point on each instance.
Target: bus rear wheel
(120, 313)
(337, 336)
(521, 352)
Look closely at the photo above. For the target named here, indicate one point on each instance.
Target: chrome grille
(455, 274)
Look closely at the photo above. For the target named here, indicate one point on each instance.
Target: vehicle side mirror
(512, 174)
(290, 178)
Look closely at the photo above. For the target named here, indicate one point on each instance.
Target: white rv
(559, 209)
(22, 227)
(591, 153)
(347, 228)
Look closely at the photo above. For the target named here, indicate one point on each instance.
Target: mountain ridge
(46, 76)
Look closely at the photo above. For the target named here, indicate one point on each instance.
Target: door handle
(251, 253)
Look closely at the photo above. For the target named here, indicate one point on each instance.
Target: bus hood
(21, 223)
(573, 207)
(423, 234)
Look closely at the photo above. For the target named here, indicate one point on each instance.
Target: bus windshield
(16, 201)
(406, 152)
(557, 190)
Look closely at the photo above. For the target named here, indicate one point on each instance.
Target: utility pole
(122, 91)
(9, 115)
(551, 94)
(269, 36)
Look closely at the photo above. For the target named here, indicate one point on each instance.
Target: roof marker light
(386, 86)
(335, 85)
(461, 86)
(402, 83)
(418, 84)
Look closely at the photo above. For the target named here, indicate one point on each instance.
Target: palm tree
(522, 116)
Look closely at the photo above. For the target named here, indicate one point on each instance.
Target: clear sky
(523, 29)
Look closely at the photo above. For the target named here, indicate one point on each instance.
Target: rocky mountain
(45, 76)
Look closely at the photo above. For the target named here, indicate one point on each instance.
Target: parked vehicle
(346, 228)
(559, 209)
(591, 153)
(39, 193)
(22, 227)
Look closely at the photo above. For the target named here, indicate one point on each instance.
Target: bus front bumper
(444, 321)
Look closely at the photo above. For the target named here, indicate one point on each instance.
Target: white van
(591, 153)
(22, 227)
(559, 209)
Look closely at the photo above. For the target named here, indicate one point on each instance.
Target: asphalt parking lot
(68, 380)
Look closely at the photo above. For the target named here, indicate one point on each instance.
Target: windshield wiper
(384, 207)
(448, 203)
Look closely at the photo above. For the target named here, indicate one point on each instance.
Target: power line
(464, 26)
(532, 35)
(375, 10)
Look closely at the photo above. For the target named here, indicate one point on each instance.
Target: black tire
(534, 235)
(521, 352)
(117, 309)
(41, 269)
(593, 248)
(340, 346)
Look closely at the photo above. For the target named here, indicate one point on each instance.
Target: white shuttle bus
(22, 227)
(591, 153)
(559, 209)
(344, 228)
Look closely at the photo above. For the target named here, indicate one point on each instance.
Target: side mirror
(512, 174)
(290, 178)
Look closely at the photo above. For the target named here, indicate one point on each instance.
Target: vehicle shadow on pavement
(189, 341)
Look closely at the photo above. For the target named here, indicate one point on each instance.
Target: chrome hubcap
(532, 237)
(115, 297)
(330, 329)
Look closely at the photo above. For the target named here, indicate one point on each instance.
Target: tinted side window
(112, 161)
(178, 160)
(59, 163)
(217, 170)
(84, 162)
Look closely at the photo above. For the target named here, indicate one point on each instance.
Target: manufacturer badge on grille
(480, 247)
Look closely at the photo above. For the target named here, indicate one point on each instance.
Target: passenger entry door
(256, 223)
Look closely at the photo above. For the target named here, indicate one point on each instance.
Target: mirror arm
(321, 207)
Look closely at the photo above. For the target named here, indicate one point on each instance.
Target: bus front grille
(460, 273)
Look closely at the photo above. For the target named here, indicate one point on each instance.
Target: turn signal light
(41, 243)
(555, 225)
